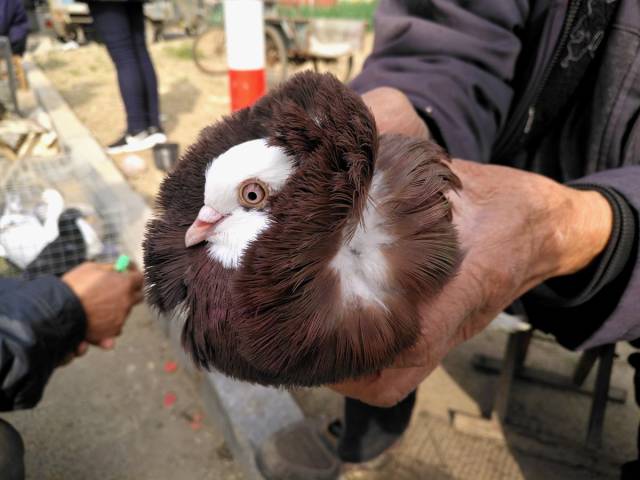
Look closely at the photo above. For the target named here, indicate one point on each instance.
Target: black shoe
(303, 451)
(136, 142)
(11, 453)
(630, 470)
(156, 135)
(370, 431)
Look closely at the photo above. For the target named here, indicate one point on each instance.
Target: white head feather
(224, 176)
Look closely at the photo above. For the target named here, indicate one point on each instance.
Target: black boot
(11, 453)
(308, 450)
(368, 431)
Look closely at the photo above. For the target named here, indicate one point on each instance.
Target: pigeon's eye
(253, 194)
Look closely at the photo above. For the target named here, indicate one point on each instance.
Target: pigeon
(66, 251)
(22, 235)
(296, 243)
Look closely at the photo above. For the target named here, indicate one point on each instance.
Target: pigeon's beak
(203, 227)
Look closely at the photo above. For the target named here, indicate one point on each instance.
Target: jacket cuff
(582, 286)
(575, 307)
(64, 323)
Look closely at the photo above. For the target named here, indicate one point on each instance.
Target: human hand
(517, 229)
(107, 297)
(81, 349)
(394, 113)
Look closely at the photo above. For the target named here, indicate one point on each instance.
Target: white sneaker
(140, 141)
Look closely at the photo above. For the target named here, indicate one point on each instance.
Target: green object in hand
(122, 263)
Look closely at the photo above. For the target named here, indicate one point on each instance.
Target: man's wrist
(580, 223)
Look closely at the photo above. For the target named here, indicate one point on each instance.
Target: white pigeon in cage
(22, 236)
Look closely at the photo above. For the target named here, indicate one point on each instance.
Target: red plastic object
(170, 367)
(169, 399)
(245, 87)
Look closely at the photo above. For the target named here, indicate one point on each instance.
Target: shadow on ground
(179, 99)
(543, 441)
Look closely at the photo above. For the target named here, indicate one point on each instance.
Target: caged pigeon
(22, 235)
(51, 240)
(75, 243)
(298, 244)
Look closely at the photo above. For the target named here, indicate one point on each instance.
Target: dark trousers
(18, 47)
(11, 453)
(120, 25)
(368, 431)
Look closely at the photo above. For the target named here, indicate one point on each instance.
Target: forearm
(40, 323)
(555, 230)
(599, 303)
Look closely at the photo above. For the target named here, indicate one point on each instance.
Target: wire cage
(55, 214)
(8, 82)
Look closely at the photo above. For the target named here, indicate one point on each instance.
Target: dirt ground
(545, 437)
(189, 99)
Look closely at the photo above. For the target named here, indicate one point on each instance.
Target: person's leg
(148, 74)
(303, 449)
(368, 431)
(111, 22)
(11, 453)
(18, 47)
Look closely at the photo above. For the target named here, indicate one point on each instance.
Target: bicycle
(209, 49)
(328, 44)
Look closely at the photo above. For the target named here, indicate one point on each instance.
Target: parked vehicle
(328, 44)
(66, 19)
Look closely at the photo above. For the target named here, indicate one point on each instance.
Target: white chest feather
(360, 263)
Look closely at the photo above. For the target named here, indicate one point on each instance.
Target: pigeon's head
(69, 217)
(239, 185)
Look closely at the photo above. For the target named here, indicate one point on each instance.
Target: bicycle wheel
(209, 51)
(341, 67)
(210, 55)
(275, 56)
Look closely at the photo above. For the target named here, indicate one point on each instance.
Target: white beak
(203, 227)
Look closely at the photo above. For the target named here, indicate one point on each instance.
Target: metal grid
(7, 77)
(55, 214)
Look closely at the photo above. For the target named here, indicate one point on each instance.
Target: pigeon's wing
(91, 238)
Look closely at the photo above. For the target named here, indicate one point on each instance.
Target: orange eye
(253, 194)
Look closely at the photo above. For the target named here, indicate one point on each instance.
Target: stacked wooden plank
(22, 137)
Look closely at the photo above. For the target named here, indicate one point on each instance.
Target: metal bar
(510, 363)
(491, 365)
(599, 404)
(585, 364)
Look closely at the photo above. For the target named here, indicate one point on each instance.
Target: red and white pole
(244, 31)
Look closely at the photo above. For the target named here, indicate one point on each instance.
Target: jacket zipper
(525, 113)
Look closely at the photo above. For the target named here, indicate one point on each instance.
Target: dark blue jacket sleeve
(454, 60)
(624, 321)
(41, 321)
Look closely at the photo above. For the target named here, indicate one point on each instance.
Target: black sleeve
(41, 321)
(575, 306)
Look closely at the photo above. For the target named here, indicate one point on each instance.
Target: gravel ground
(189, 99)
